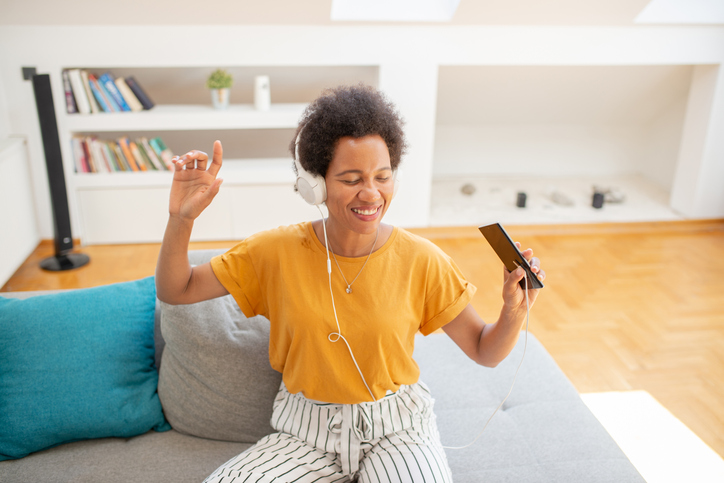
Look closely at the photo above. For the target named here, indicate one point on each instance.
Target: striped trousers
(394, 439)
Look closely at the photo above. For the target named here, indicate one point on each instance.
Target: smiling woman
(344, 410)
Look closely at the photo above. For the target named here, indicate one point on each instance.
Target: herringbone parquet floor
(626, 306)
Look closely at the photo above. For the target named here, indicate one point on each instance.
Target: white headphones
(312, 187)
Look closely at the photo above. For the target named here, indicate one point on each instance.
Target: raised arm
(489, 344)
(194, 186)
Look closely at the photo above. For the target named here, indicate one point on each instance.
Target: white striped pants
(394, 439)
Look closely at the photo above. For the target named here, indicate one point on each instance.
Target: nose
(369, 192)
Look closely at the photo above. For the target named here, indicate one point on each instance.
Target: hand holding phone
(509, 254)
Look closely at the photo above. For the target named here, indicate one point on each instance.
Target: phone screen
(508, 253)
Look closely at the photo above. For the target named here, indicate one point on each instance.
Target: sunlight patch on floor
(660, 446)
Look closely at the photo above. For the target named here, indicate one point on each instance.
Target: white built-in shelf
(233, 172)
(180, 117)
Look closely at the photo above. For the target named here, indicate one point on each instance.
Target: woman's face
(359, 183)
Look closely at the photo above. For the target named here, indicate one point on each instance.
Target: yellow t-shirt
(408, 285)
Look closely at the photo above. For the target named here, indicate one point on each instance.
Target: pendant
(349, 289)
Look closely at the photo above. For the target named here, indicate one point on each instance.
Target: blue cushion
(78, 365)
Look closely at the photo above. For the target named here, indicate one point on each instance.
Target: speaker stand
(68, 261)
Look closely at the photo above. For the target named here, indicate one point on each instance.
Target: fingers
(534, 262)
(511, 279)
(216, 160)
(191, 160)
(196, 159)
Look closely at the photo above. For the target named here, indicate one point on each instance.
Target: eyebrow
(359, 171)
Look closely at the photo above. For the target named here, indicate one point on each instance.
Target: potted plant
(220, 82)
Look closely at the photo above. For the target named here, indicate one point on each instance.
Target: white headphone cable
(515, 376)
(331, 337)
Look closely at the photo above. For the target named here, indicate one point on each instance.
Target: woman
(351, 407)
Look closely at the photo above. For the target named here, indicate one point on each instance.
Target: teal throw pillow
(78, 365)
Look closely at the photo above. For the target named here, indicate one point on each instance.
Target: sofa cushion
(215, 378)
(77, 365)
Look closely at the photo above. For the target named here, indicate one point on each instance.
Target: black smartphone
(509, 253)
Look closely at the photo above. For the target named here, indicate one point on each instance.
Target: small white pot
(220, 98)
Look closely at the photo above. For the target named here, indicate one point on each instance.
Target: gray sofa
(543, 433)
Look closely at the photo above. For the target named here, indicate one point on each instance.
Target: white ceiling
(305, 12)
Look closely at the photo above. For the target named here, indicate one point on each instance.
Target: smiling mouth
(367, 211)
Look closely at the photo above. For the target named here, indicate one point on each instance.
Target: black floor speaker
(63, 258)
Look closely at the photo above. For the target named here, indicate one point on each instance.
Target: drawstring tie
(354, 427)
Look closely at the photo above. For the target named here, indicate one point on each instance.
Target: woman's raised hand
(513, 294)
(194, 182)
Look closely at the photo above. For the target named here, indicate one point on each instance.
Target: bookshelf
(131, 207)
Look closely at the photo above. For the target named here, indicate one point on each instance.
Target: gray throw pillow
(215, 380)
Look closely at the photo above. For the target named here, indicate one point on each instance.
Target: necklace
(349, 284)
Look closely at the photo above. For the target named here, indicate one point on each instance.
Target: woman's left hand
(513, 294)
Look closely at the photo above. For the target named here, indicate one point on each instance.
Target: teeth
(365, 212)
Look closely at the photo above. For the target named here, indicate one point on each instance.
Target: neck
(351, 244)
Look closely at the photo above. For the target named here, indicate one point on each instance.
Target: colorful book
(98, 93)
(160, 165)
(91, 99)
(111, 155)
(107, 95)
(144, 155)
(108, 82)
(81, 98)
(123, 143)
(70, 106)
(121, 157)
(144, 163)
(128, 95)
(141, 95)
(99, 157)
(81, 165)
(162, 151)
(90, 155)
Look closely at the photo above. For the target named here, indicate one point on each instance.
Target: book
(145, 163)
(122, 162)
(100, 97)
(144, 155)
(108, 82)
(79, 161)
(111, 155)
(81, 98)
(140, 94)
(123, 143)
(128, 95)
(89, 155)
(107, 95)
(91, 100)
(70, 106)
(99, 157)
(162, 151)
(158, 164)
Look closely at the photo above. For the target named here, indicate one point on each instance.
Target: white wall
(411, 55)
(17, 218)
(555, 121)
(4, 117)
(699, 180)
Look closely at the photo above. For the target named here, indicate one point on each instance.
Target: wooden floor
(626, 306)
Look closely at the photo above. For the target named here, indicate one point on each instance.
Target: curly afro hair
(355, 111)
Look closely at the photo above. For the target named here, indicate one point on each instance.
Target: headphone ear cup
(312, 187)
